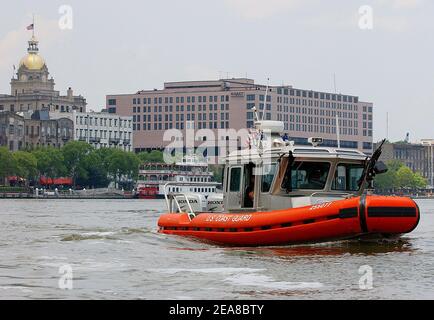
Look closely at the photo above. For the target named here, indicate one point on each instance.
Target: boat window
(347, 176)
(348, 152)
(313, 150)
(235, 180)
(306, 175)
(269, 171)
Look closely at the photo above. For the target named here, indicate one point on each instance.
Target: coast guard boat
(278, 193)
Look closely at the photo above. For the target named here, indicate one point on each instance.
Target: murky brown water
(114, 252)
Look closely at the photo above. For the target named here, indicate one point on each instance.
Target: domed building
(32, 88)
(25, 120)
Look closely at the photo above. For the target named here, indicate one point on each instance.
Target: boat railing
(173, 196)
(327, 193)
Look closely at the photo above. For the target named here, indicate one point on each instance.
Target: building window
(367, 145)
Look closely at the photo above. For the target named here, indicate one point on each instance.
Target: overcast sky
(124, 46)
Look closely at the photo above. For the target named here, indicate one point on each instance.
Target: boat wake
(246, 277)
(104, 234)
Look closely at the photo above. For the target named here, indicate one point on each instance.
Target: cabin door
(234, 187)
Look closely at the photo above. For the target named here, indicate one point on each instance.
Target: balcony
(126, 142)
(94, 140)
(82, 139)
(114, 141)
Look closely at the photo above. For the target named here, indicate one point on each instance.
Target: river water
(109, 249)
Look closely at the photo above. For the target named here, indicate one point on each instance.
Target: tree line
(85, 165)
(399, 176)
(97, 168)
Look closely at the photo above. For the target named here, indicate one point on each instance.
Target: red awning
(15, 178)
(56, 181)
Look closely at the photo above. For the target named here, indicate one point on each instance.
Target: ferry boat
(279, 193)
(154, 176)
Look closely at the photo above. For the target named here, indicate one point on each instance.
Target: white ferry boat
(153, 177)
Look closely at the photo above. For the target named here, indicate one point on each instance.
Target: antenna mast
(334, 82)
(338, 130)
(265, 98)
(387, 125)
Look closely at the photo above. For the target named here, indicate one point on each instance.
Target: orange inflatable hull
(337, 220)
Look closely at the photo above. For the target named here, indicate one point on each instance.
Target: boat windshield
(347, 176)
(306, 175)
(268, 176)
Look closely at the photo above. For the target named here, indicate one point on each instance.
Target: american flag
(30, 27)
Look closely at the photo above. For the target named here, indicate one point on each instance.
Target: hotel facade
(228, 103)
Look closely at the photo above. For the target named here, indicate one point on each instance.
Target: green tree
(7, 164)
(74, 154)
(50, 162)
(405, 177)
(217, 170)
(132, 165)
(386, 181)
(154, 156)
(96, 170)
(143, 156)
(389, 180)
(105, 154)
(123, 164)
(419, 181)
(394, 165)
(26, 165)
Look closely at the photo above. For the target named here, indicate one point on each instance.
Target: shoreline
(62, 197)
(126, 197)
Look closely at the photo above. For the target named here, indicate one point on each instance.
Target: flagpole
(33, 29)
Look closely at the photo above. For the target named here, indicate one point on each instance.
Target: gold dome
(32, 61)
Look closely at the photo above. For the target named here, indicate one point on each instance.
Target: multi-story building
(46, 118)
(32, 88)
(419, 157)
(410, 154)
(42, 131)
(11, 130)
(429, 147)
(225, 104)
(101, 129)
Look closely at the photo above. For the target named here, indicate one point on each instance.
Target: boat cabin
(276, 174)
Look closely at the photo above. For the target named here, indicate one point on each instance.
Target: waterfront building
(224, 104)
(42, 131)
(429, 147)
(100, 129)
(32, 88)
(417, 156)
(11, 130)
